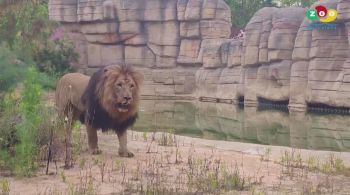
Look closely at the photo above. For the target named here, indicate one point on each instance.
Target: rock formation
(183, 49)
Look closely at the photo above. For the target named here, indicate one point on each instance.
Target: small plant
(27, 129)
(312, 163)
(266, 155)
(291, 160)
(63, 176)
(5, 187)
(82, 163)
(166, 139)
(145, 137)
(337, 163)
(334, 166)
(10, 116)
(77, 140)
(118, 165)
(57, 55)
(12, 70)
(102, 166)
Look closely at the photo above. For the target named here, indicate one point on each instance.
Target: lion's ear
(111, 71)
(110, 68)
(138, 77)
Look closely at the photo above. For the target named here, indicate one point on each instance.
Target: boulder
(270, 35)
(189, 51)
(130, 27)
(209, 53)
(181, 9)
(182, 48)
(193, 10)
(184, 82)
(215, 9)
(160, 10)
(275, 80)
(231, 84)
(207, 81)
(63, 10)
(165, 33)
(165, 62)
(90, 10)
(343, 9)
(215, 29)
(99, 28)
(103, 55)
(189, 30)
(139, 56)
(139, 39)
(164, 50)
(129, 10)
(235, 52)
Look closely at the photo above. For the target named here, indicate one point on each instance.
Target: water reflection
(228, 122)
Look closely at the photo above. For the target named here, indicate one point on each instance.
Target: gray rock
(189, 51)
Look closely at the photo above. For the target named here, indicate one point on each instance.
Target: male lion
(107, 100)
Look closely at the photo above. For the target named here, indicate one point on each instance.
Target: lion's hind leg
(69, 118)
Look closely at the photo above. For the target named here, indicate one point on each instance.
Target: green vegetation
(243, 10)
(300, 3)
(25, 127)
(5, 187)
(11, 69)
(26, 31)
(34, 52)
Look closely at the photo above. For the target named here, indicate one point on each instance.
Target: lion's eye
(119, 85)
(132, 86)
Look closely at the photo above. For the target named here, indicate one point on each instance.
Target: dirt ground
(169, 164)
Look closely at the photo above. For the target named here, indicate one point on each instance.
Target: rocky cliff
(183, 49)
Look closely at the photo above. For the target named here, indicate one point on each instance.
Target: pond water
(232, 123)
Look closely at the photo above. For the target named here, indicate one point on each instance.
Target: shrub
(47, 81)
(12, 70)
(56, 57)
(25, 26)
(9, 118)
(26, 30)
(26, 130)
(25, 123)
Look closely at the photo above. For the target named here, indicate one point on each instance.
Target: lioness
(107, 100)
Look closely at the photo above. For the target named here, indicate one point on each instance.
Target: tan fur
(70, 89)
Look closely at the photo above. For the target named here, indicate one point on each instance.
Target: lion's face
(124, 90)
(119, 91)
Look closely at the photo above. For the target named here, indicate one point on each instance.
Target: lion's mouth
(122, 107)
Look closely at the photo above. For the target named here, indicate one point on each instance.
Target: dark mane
(95, 115)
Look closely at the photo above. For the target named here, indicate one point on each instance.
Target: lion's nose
(127, 98)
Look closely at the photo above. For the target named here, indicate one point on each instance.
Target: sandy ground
(168, 167)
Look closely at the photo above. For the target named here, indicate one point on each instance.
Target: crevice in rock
(265, 104)
(240, 102)
(319, 108)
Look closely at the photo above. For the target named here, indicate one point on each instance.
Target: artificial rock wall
(169, 40)
(183, 49)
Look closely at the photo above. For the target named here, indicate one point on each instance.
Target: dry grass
(164, 166)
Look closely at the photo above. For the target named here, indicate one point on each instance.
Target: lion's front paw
(126, 154)
(95, 151)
